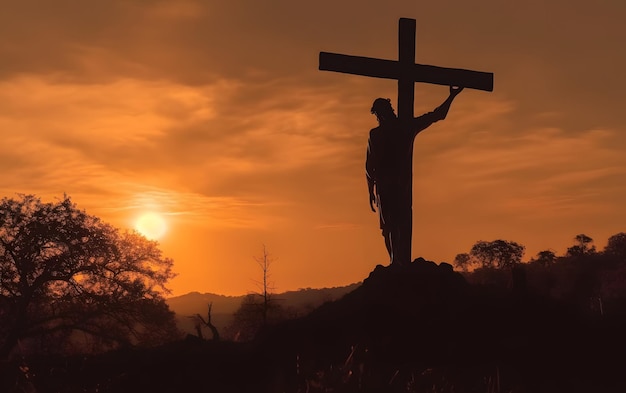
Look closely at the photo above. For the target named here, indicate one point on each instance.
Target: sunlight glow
(151, 225)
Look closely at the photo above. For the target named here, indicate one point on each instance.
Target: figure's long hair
(382, 109)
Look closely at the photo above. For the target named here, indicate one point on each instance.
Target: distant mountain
(196, 303)
(223, 307)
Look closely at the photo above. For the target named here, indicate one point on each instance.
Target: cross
(406, 72)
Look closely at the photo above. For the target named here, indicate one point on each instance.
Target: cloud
(216, 112)
(94, 141)
(542, 172)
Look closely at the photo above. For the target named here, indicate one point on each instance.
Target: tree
(616, 246)
(462, 261)
(497, 253)
(247, 320)
(581, 246)
(63, 271)
(200, 321)
(546, 258)
(257, 310)
(265, 262)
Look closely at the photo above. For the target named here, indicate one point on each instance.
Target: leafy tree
(546, 258)
(63, 271)
(462, 261)
(247, 320)
(497, 253)
(616, 246)
(581, 247)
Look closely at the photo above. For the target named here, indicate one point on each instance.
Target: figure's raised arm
(442, 110)
(440, 113)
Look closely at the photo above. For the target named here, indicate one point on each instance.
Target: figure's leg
(385, 224)
(387, 236)
(395, 241)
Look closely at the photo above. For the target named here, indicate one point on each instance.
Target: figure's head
(383, 110)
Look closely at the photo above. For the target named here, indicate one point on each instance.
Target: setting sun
(151, 225)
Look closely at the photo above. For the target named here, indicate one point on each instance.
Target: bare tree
(258, 309)
(265, 261)
(200, 321)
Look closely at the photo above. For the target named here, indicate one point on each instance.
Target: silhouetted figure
(388, 170)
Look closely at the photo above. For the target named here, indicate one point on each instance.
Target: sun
(151, 225)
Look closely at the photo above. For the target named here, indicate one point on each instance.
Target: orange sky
(214, 114)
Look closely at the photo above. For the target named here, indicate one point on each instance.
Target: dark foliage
(616, 247)
(66, 277)
(497, 253)
(255, 315)
(583, 246)
(545, 258)
(462, 261)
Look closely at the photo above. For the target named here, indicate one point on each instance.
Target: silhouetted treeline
(593, 280)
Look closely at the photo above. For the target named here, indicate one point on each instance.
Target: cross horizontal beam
(390, 69)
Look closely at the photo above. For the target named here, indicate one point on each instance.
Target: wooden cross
(406, 72)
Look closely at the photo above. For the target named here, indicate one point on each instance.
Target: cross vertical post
(406, 58)
(406, 105)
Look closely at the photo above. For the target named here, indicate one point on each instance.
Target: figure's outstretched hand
(372, 202)
(454, 90)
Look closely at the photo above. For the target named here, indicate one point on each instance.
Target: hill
(302, 301)
(425, 324)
